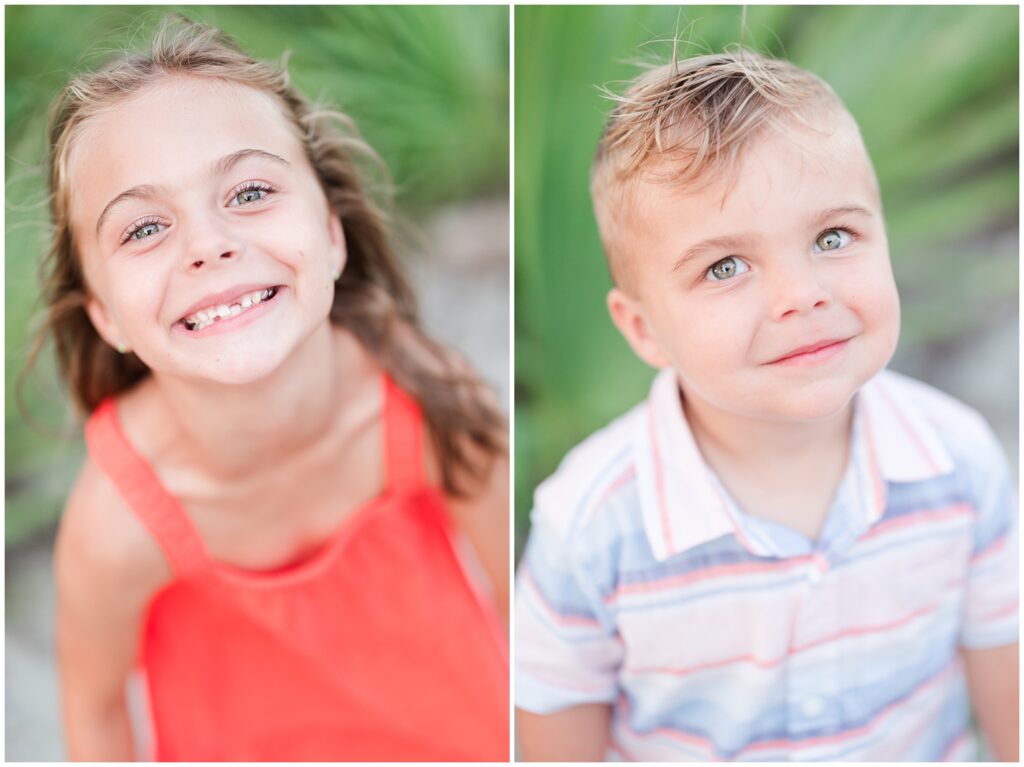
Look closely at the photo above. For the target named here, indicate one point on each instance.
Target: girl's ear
(336, 237)
(105, 325)
(629, 317)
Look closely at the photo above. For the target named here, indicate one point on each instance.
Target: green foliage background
(427, 86)
(935, 90)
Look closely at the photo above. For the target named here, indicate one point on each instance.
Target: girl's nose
(227, 255)
(210, 244)
(798, 289)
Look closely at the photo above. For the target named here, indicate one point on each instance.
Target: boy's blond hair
(686, 122)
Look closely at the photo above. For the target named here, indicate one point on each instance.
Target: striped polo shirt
(718, 635)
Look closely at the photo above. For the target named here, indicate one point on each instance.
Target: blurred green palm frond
(427, 87)
(935, 92)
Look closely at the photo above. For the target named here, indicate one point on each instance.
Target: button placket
(813, 700)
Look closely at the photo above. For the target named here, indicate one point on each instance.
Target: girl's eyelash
(251, 186)
(246, 186)
(136, 226)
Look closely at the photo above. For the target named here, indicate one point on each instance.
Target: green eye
(249, 195)
(726, 269)
(833, 239)
(143, 230)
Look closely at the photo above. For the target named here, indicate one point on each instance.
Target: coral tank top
(378, 648)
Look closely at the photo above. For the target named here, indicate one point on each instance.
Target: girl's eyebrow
(221, 166)
(226, 163)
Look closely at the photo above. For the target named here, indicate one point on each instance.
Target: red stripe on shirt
(659, 482)
(707, 573)
(567, 620)
(773, 662)
(930, 515)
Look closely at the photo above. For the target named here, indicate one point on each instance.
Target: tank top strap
(139, 486)
(403, 439)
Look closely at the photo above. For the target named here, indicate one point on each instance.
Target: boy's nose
(798, 290)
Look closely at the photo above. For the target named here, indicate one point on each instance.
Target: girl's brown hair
(371, 299)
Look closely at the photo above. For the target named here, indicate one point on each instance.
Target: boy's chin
(811, 404)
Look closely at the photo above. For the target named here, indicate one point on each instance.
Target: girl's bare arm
(106, 567)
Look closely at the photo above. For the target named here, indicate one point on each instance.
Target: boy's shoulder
(961, 430)
(597, 474)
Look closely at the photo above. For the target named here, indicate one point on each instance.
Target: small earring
(121, 348)
(337, 274)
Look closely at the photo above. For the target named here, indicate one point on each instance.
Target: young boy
(786, 552)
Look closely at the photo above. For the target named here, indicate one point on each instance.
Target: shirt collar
(683, 505)
(906, 445)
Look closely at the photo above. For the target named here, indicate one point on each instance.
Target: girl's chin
(236, 368)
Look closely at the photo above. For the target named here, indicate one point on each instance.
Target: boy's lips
(819, 351)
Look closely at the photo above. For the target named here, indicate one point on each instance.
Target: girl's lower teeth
(233, 311)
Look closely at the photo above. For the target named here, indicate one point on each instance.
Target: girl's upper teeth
(212, 313)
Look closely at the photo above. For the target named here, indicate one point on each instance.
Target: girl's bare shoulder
(101, 541)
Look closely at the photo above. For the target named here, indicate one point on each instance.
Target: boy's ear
(336, 238)
(628, 316)
(105, 325)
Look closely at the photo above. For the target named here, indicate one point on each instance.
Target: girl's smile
(229, 310)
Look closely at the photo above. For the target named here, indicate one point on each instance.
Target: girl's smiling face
(207, 242)
(770, 293)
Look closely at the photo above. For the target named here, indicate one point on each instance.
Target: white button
(812, 707)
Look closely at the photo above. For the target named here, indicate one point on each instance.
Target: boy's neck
(784, 471)
(235, 430)
(758, 441)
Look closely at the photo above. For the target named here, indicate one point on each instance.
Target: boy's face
(770, 292)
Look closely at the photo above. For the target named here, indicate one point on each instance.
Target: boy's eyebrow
(728, 241)
(725, 242)
(841, 211)
(221, 166)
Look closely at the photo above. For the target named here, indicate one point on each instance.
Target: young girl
(288, 487)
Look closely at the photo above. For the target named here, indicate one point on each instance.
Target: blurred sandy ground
(462, 279)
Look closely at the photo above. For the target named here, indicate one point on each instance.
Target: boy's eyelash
(842, 227)
(136, 226)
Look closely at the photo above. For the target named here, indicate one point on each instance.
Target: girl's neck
(235, 430)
